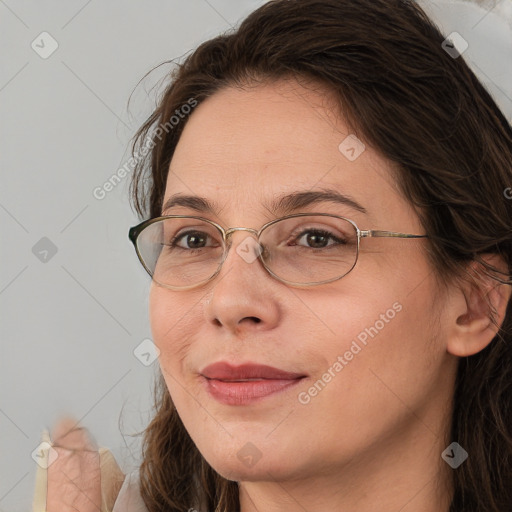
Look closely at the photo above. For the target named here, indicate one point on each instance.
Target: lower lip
(244, 393)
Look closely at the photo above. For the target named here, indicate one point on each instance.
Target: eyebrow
(280, 206)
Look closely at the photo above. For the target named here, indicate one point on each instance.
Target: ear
(471, 328)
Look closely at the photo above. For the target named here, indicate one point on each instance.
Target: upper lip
(225, 371)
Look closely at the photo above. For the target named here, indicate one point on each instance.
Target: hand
(74, 478)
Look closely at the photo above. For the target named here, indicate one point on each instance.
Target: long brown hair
(401, 93)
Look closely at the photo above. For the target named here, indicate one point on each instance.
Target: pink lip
(222, 382)
(226, 371)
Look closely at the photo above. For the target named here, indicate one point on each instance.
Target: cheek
(378, 369)
(391, 355)
(171, 321)
(387, 329)
(158, 315)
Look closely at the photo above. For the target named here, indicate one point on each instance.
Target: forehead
(244, 148)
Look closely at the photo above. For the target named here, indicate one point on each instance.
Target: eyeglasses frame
(135, 231)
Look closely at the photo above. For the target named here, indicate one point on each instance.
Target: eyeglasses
(181, 252)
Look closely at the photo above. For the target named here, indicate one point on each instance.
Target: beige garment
(111, 477)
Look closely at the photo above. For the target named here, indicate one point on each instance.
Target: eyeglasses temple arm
(377, 233)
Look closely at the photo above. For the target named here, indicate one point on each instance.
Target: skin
(372, 438)
(76, 471)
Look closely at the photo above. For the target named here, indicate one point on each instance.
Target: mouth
(247, 383)
(239, 380)
(246, 372)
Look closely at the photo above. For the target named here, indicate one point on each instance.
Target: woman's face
(370, 346)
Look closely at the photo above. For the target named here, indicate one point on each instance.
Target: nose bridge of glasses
(230, 231)
(245, 250)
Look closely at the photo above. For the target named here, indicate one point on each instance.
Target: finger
(69, 434)
(74, 478)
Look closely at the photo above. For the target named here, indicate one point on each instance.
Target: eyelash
(328, 234)
(321, 232)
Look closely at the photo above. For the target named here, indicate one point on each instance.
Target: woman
(320, 369)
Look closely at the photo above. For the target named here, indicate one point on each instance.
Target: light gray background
(69, 325)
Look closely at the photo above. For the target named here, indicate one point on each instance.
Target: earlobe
(475, 306)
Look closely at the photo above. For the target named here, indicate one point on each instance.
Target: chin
(240, 467)
(240, 473)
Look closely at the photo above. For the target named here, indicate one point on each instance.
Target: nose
(243, 294)
(242, 244)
